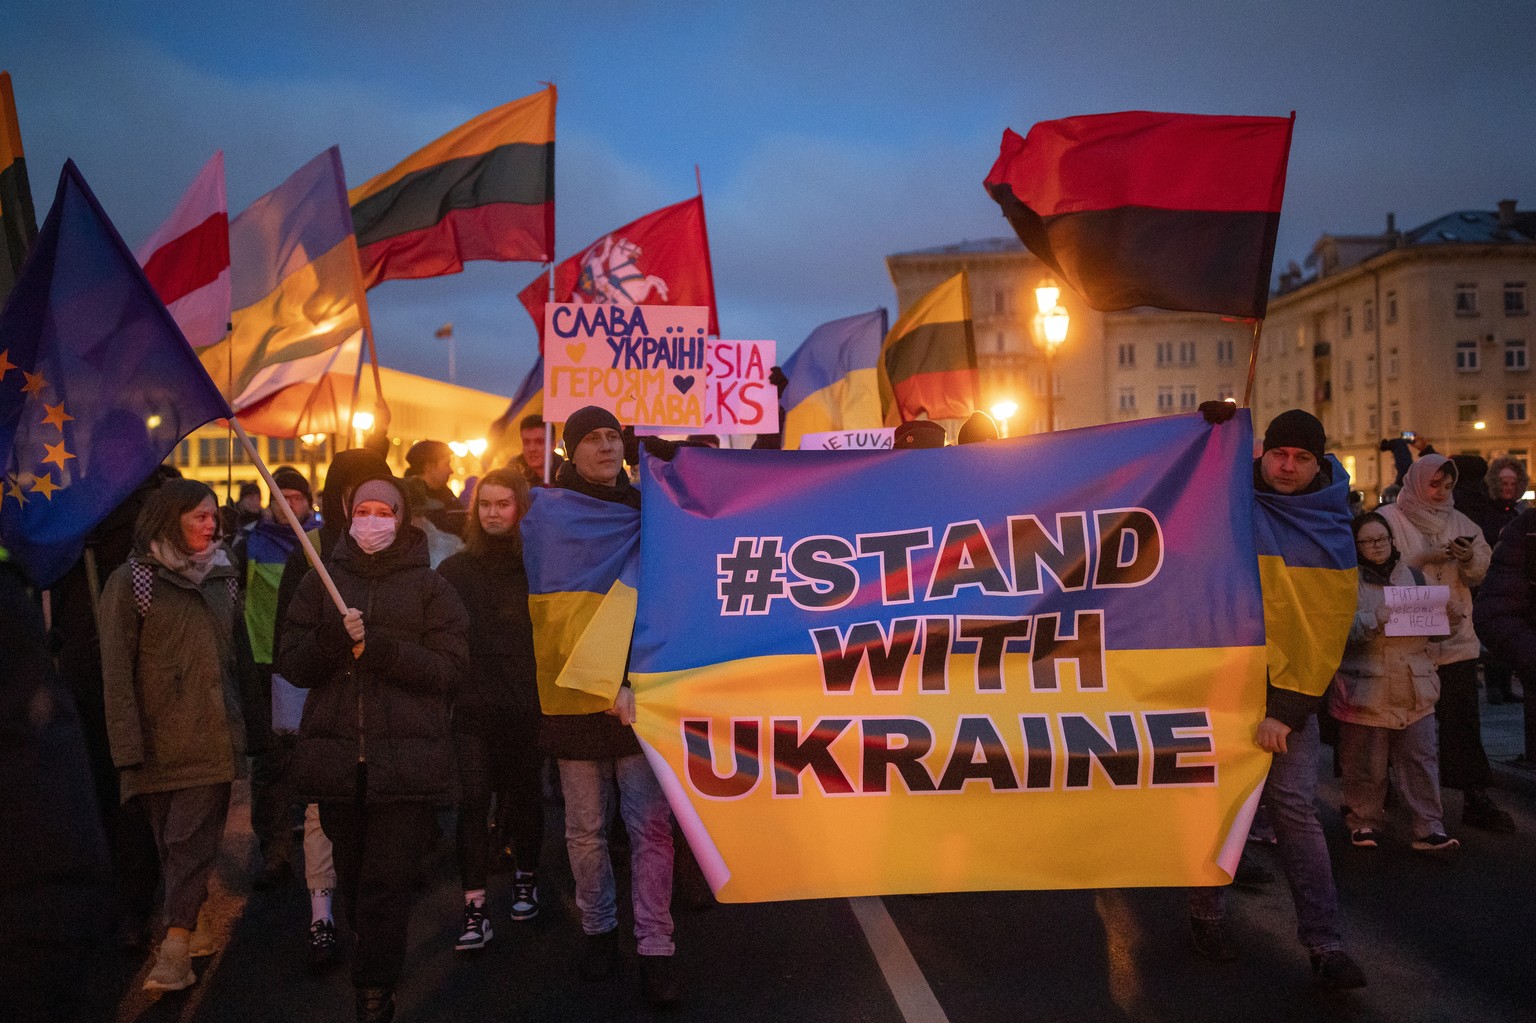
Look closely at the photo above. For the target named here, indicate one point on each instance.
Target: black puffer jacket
(1504, 609)
(500, 693)
(389, 707)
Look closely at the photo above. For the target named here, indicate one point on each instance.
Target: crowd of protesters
(197, 643)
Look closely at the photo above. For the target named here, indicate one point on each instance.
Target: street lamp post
(1054, 321)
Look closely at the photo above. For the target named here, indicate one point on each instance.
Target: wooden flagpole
(293, 520)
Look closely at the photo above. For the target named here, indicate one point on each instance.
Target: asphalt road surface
(1439, 941)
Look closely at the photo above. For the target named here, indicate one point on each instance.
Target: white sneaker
(173, 967)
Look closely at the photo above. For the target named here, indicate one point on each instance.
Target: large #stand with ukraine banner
(1029, 664)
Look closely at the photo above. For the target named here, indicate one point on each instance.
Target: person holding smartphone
(1450, 550)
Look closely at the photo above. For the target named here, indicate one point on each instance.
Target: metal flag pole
(293, 520)
(549, 427)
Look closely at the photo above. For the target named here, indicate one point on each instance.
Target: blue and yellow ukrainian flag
(1308, 571)
(583, 559)
(832, 378)
(295, 284)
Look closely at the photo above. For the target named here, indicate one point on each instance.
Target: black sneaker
(525, 896)
(658, 981)
(1336, 971)
(1209, 939)
(1365, 838)
(1480, 812)
(322, 944)
(600, 956)
(477, 929)
(1436, 843)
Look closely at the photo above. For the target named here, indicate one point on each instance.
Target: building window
(1466, 300)
(1349, 423)
(1165, 353)
(1520, 455)
(1002, 342)
(213, 450)
(1056, 387)
(1188, 401)
(1127, 356)
(1349, 374)
(1372, 420)
(1186, 353)
(1301, 386)
(1127, 399)
(1515, 357)
(1164, 399)
(1391, 307)
(1394, 364)
(182, 456)
(1370, 369)
(1224, 391)
(282, 450)
(1515, 408)
(1347, 322)
(1514, 298)
(1466, 411)
(1466, 356)
(1224, 350)
(1368, 315)
(1394, 417)
(999, 302)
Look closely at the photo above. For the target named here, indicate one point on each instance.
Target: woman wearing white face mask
(374, 749)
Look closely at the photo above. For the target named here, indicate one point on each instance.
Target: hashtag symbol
(751, 576)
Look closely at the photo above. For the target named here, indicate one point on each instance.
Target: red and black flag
(927, 365)
(486, 190)
(18, 218)
(1176, 211)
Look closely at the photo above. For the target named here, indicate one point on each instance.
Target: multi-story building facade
(1427, 330)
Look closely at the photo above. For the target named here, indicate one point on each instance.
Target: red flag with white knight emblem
(660, 259)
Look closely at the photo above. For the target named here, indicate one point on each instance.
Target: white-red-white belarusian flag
(187, 259)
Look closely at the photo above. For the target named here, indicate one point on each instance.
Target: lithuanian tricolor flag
(18, 219)
(485, 190)
(928, 364)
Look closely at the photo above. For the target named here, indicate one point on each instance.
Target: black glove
(666, 450)
(380, 654)
(1217, 412)
(332, 635)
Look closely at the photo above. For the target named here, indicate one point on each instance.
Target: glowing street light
(1002, 412)
(477, 446)
(1047, 294)
(362, 421)
(1479, 425)
(1054, 323)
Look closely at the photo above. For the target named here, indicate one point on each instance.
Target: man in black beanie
(1293, 466)
(598, 754)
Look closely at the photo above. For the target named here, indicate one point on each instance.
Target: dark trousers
(378, 848)
(1498, 674)
(1463, 763)
(271, 792)
(511, 769)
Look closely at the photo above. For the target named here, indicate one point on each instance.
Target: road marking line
(908, 985)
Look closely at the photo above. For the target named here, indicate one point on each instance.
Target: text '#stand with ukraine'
(961, 669)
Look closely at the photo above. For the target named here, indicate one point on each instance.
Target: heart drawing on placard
(575, 352)
(682, 383)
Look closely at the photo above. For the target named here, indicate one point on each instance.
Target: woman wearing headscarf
(168, 621)
(1383, 697)
(374, 749)
(1450, 550)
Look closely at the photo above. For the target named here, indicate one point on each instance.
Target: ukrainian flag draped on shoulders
(1308, 573)
(583, 561)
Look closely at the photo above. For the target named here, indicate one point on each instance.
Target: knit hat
(919, 433)
(385, 490)
(978, 427)
(291, 479)
(583, 421)
(1296, 428)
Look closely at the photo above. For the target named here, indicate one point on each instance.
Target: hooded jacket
(172, 701)
(1384, 681)
(389, 707)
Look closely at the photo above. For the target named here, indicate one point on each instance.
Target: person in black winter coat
(1504, 611)
(374, 749)
(496, 706)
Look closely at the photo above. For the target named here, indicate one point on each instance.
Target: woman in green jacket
(173, 708)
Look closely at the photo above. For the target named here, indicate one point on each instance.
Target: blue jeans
(1290, 795)
(589, 786)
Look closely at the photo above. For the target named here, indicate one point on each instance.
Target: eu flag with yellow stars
(97, 384)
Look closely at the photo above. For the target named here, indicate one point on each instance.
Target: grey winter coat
(172, 696)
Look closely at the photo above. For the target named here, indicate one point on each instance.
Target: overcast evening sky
(828, 135)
